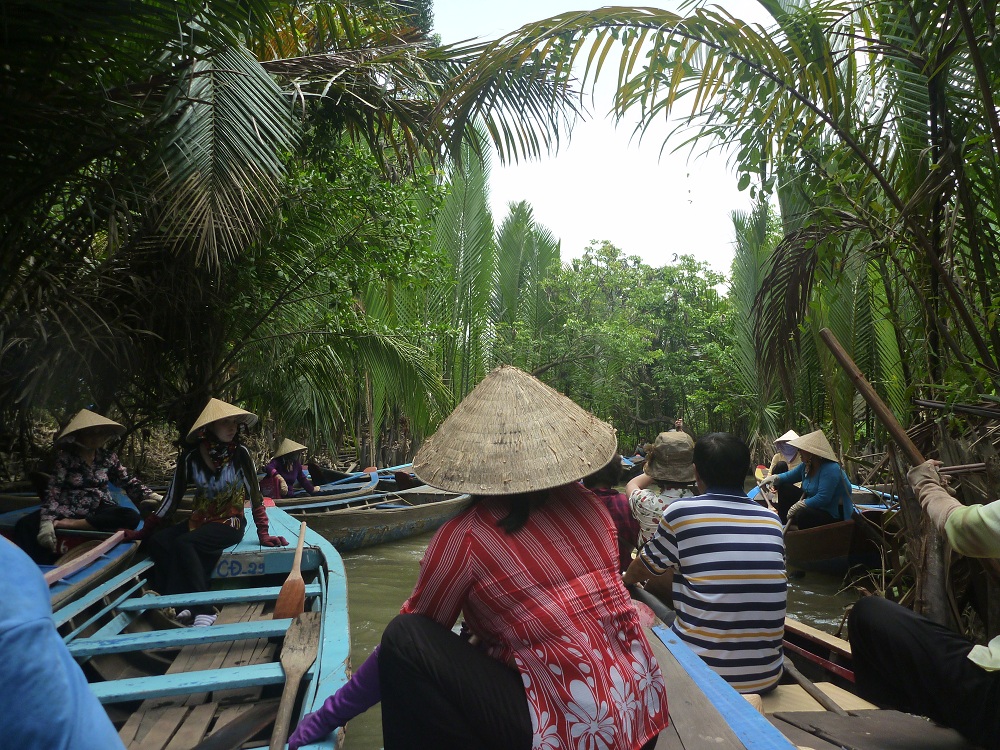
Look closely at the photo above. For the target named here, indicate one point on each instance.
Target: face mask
(788, 451)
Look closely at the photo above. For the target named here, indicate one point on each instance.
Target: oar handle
(297, 561)
(868, 393)
(284, 719)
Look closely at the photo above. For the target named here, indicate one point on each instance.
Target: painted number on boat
(244, 565)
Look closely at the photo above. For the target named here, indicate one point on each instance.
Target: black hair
(780, 467)
(607, 476)
(520, 509)
(722, 460)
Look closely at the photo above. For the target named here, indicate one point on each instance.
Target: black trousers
(904, 661)
(185, 559)
(788, 495)
(105, 518)
(439, 692)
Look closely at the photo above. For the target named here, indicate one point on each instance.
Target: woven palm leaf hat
(85, 419)
(514, 434)
(788, 436)
(216, 410)
(671, 458)
(288, 446)
(815, 443)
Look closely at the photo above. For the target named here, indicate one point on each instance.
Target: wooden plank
(695, 721)
(162, 730)
(191, 732)
(878, 730)
(794, 698)
(801, 738)
(244, 653)
(64, 614)
(218, 598)
(832, 642)
(116, 644)
(64, 571)
(213, 656)
(141, 688)
(668, 739)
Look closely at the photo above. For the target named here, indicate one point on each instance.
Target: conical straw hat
(514, 434)
(815, 443)
(790, 435)
(84, 419)
(216, 410)
(288, 446)
(670, 459)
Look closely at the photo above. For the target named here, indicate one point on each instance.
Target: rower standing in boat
(825, 486)
(78, 495)
(561, 660)
(225, 477)
(285, 469)
(905, 661)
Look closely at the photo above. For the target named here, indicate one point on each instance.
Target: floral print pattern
(79, 487)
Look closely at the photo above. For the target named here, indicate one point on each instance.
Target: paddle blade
(297, 654)
(291, 599)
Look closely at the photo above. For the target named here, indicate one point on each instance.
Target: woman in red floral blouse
(555, 656)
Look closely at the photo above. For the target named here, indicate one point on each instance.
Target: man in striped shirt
(727, 554)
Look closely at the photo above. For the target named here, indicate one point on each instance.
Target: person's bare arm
(639, 482)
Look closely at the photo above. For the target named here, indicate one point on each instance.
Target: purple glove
(360, 693)
(149, 525)
(260, 521)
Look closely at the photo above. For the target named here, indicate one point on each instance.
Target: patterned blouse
(79, 487)
(290, 474)
(219, 494)
(549, 600)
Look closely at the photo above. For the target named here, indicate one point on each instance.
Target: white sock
(184, 614)
(203, 621)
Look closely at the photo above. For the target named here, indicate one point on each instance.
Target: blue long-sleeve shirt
(823, 488)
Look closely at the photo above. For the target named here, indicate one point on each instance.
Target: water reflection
(380, 578)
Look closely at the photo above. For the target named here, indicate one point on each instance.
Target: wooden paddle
(292, 597)
(297, 654)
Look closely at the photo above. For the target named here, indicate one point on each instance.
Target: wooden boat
(386, 517)
(169, 686)
(357, 485)
(85, 566)
(390, 479)
(798, 713)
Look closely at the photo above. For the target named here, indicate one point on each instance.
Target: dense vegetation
(284, 205)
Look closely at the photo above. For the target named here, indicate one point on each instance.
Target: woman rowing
(826, 488)
(560, 660)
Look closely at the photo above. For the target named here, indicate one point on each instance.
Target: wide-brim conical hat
(514, 434)
(86, 419)
(815, 443)
(288, 446)
(790, 435)
(216, 410)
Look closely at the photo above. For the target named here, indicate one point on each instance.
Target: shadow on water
(380, 578)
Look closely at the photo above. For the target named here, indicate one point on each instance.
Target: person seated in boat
(561, 660)
(602, 483)
(667, 475)
(826, 489)
(50, 704)
(285, 469)
(224, 478)
(786, 457)
(727, 555)
(78, 495)
(905, 661)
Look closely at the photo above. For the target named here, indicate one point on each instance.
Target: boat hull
(833, 548)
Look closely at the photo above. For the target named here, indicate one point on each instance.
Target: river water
(380, 578)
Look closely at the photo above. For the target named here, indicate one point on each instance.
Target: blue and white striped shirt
(730, 585)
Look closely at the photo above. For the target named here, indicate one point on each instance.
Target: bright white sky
(605, 185)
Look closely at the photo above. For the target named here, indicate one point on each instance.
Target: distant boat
(357, 485)
(164, 685)
(385, 517)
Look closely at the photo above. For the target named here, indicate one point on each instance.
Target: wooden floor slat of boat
(801, 738)
(877, 730)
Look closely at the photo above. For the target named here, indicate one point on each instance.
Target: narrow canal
(380, 578)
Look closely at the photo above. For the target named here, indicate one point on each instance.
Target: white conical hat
(514, 434)
(790, 435)
(815, 443)
(288, 446)
(85, 419)
(216, 410)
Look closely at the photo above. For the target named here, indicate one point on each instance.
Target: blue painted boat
(356, 486)
(385, 517)
(165, 685)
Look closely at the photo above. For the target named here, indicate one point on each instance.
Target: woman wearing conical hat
(786, 458)
(224, 478)
(557, 657)
(285, 469)
(826, 489)
(78, 495)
